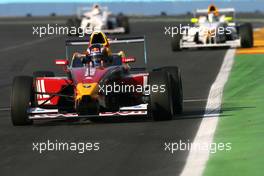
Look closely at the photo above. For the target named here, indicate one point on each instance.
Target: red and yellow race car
(98, 83)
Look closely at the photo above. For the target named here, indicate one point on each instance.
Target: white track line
(27, 44)
(197, 159)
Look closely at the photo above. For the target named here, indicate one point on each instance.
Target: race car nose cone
(90, 89)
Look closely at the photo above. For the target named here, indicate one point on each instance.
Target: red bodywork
(53, 85)
(50, 85)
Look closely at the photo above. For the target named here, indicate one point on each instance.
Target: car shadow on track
(198, 114)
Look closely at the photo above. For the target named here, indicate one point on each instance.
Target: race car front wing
(233, 44)
(40, 113)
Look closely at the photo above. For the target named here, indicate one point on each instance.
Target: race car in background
(79, 95)
(100, 19)
(213, 27)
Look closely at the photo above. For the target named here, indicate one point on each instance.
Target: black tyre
(246, 34)
(87, 106)
(123, 21)
(43, 74)
(176, 42)
(161, 103)
(196, 37)
(22, 96)
(176, 85)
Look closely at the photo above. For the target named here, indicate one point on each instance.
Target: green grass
(242, 121)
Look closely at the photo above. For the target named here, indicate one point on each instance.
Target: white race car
(213, 27)
(99, 18)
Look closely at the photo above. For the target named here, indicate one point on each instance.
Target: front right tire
(161, 103)
(176, 86)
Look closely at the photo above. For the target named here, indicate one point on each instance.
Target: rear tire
(22, 97)
(175, 43)
(161, 107)
(246, 34)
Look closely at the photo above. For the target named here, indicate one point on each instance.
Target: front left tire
(22, 96)
(246, 34)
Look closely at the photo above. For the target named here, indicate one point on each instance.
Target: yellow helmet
(99, 38)
(213, 9)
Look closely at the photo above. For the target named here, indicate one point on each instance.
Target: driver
(97, 55)
(213, 14)
(96, 10)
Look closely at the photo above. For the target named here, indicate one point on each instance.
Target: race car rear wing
(111, 41)
(125, 40)
(223, 10)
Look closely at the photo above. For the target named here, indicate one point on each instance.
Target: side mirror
(194, 20)
(62, 62)
(128, 59)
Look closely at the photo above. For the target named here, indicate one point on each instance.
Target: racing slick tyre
(176, 83)
(43, 74)
(87, 106)
(161, 103)
(246, 34)
(123, 21)
(176, 42)
(22, 96)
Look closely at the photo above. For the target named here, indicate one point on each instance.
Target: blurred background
(132, 7)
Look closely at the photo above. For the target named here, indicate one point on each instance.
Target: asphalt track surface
(127, 147)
